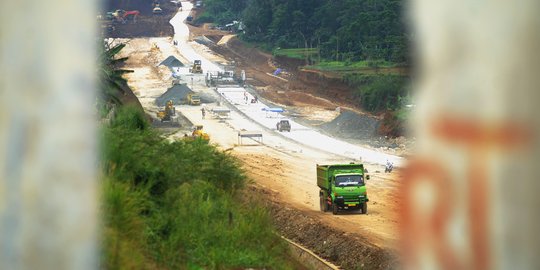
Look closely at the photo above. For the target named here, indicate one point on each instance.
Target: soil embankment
(341, 248)
(369, 239)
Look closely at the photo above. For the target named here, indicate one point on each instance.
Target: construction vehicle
(388, 167)
(123, 16)
(196, 67)
(220, 112)
(168, 113)
(342, 187)
(283, 125)
(198, 132)
(226, 77)
(157, 9)
(193, 99)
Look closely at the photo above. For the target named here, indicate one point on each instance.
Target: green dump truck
(342, 187)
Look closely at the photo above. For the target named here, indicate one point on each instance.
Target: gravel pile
(171, 62)
(206, 98)
(351, 125)
(178, 94)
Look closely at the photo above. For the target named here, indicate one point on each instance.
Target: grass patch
(179, 205)
(403, 114)
(351, 66)
(262, 46)
(205, 17)
(378, 93)
(297, 53)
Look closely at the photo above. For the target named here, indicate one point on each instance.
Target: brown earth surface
(350, 239)
(305, 95)
(292, 178)
(287, 180)
(145, 25)
(293, 89)
(348, 250)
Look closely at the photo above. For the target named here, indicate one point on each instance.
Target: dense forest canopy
(344, 30)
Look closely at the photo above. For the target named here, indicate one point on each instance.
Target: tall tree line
(344, 30)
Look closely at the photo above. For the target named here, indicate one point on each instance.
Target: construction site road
(241, 100)
(181, 35)
(281, 163)
(285, 162)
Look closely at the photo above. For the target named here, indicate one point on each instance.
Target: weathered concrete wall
(470, 197)
(48, 183)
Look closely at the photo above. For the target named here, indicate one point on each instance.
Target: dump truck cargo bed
(325, 171)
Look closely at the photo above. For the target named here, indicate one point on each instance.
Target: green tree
(112, 84)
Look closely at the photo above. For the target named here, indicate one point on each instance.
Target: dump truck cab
(342, 187)
(194, 99)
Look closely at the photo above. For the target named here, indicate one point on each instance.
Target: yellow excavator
(198, 132)
(196, 67)
(168, 113)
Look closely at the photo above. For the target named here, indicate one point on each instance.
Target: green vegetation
(300, 53)
(350, 66)
(222, 11)
(347, 30)
(393, 123)
(178, 205)
(113, 85)
(363, 41)
(380, 92)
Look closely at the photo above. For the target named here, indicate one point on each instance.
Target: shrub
(379, 92)
(178, 205)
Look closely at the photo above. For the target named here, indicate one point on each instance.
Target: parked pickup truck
(283, 125)
(342, 187)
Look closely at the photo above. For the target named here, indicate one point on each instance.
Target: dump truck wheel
(323, 205)
(364, 208)
(334, 209)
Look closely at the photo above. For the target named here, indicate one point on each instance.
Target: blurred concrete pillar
(470, 196)
(48, 186)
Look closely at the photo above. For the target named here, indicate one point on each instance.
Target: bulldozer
(168, 113)
(198, 132)
(196, 67)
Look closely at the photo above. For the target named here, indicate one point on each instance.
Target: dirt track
(291, 180)
(287, 177)
(313, 100)
(351, 251)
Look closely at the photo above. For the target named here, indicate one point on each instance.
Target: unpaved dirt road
(287, 169)
(284, 168)
(293, 177)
